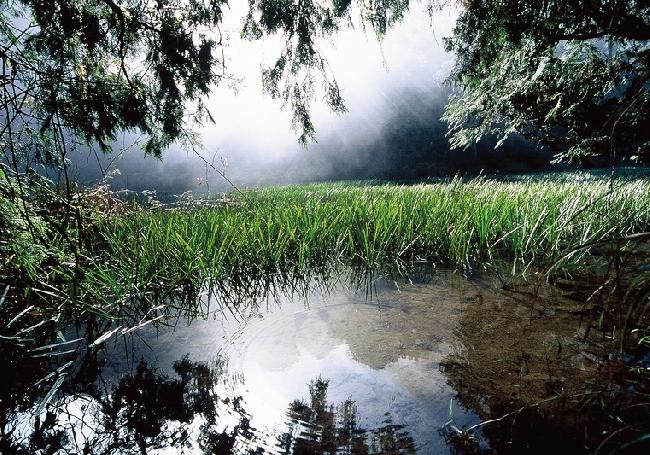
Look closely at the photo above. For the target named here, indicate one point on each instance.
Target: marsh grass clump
(282, 231)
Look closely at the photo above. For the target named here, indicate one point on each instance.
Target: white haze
(253, 132)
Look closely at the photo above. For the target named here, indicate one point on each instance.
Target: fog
(394, 91)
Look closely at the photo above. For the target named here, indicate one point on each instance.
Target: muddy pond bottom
(339, 369)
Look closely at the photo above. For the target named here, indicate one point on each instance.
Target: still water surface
(377, 349)
(334, 368)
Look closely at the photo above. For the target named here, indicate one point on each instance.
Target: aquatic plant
(289, 230)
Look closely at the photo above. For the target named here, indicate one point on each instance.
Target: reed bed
(282, 231)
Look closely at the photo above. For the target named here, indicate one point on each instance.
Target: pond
(383, 364)
(342, 366)
(375, 350)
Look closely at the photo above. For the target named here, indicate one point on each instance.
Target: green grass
(295, 230)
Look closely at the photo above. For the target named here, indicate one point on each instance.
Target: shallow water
(379, 348)
(351, 364)
(341, 367)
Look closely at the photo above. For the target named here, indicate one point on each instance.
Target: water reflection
(151, 412)
(319, 427)
(147, 411)
(368, 361)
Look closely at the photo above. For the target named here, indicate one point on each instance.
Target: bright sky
(410, 54)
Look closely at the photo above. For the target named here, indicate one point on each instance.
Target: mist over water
(394, 91)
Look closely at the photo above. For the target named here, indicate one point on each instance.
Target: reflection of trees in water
(145, 411)
(321, 428)
(148, 410)
(144, 404)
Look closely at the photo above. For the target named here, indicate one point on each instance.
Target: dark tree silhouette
(569, 73)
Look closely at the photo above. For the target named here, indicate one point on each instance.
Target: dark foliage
(104, 66)
(571, 74)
